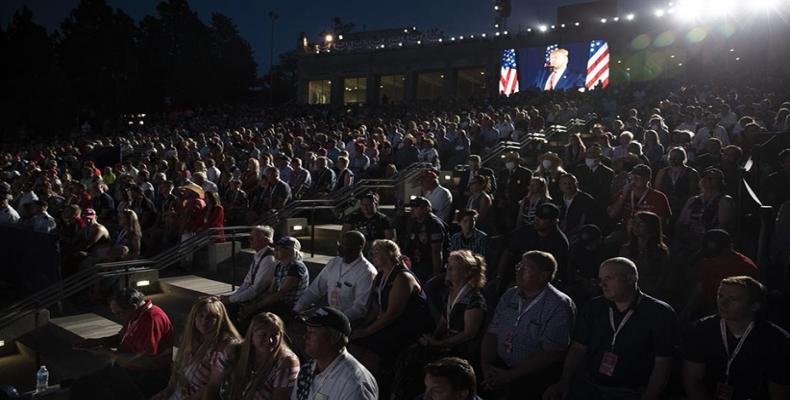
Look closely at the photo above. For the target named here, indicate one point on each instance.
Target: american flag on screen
(508, 78)
(597, 65)
(549, 49)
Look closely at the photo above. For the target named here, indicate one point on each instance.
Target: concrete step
(193, 286)
(84, 326)
(24, 325)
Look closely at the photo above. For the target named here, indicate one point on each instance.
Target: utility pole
(273, 16)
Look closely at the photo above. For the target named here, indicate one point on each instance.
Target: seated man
(331, 372)
(754, 360)
(623, 343)
(290, 281)
(260, 276)
(345, 281)
(530, 332)
(450, 378)
(141, 352)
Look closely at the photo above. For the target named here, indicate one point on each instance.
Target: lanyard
(257, 265)
(451, 304)
(741, 341)
(529, 306)
(633, 206)
(617, 330)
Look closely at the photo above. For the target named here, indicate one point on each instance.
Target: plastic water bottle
(42, 379)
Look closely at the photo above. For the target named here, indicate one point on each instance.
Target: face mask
(510, 165)
(591, 162)
(546, 164)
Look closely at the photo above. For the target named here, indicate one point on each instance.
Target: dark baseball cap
(330, 317)
(420, 201)
(547, 211)
(288, 242)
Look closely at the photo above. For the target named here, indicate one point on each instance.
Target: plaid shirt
(295, 269)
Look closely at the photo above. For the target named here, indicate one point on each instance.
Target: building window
(391, 89)
(471, 83)
(430, 85)
(319, 92)
(355, 90)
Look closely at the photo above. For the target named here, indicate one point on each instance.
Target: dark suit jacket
(512, 186)
(597, 184)
(570, 79)
(583, 210)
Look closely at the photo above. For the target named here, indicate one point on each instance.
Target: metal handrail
(89, 276)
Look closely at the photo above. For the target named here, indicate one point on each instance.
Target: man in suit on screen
(557, 75)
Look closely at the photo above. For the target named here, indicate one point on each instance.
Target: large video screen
(568, 66)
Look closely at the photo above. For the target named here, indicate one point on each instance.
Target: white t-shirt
(441, 201)
(343, 286)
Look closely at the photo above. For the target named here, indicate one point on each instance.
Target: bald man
(345, 281)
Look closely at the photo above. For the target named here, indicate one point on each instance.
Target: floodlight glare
(603, 20)
(762, 5)
(543, 28)
(659, 13)
(328, 38)
(576, 24)
(630, 17)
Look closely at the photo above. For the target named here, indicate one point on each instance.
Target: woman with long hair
(208, 333)
(214, 216)
(537, 194)
(262, 367)
(130, 234)
(646, 248)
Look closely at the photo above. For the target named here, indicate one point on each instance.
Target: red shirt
(652, 200)
(713, 270)
(150, 332)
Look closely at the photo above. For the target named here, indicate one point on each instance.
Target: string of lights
(684, 11)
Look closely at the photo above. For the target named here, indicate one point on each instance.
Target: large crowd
(608, 269)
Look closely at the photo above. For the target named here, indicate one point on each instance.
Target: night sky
(454, 17)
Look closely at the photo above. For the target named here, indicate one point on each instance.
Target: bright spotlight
(723, 8)
(659, 13)
(339, 37)
(543, 28)
(505, 32)
(630, 17)
(691, 10)
(763, 5)
(576, 23)
(616, 19)
(562, 25)
(603, 20)
(529, 29)
(329, 38)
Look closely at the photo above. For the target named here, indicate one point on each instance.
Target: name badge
(724, 391)
(334, 297)
(608, 363)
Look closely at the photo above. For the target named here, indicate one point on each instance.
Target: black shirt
(418, 239)
(651, 331)
(765, 355)
(373, 228)
(526, 238)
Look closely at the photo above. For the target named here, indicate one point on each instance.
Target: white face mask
(547, 164)
(591, 162)
(510, 165)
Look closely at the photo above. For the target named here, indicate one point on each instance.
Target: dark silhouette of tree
(233, 63)
(101, 64)
(27, 72)
(97, 53)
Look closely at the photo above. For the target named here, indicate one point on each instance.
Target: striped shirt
(196, 374)
(545, 326)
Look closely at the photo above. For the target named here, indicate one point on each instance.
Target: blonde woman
(263, 367)
(208, 334)
(538, 193)
(130, 234)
